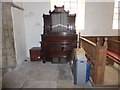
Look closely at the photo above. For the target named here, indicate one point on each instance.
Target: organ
(59, 35)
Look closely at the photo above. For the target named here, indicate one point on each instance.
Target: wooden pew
(96, 55)
(113, 50)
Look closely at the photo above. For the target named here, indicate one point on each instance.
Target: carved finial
(49, 11)
(105, 42)
(81, 45)
(98, 41)
(79, 34)
(62, 6)
(75, 15)
(55, 6)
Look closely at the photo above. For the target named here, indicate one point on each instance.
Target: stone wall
(0, 45)
(8, 49)
(0, 35)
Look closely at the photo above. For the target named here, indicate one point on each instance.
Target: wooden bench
(113, 52)
(96, 55)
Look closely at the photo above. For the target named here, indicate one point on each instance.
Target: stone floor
(112, 75)
(48, 75)
(39, 75)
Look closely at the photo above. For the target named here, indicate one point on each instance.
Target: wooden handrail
(114, 40)
(90, 42)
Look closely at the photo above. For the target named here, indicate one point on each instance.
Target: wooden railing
(113, 50)
(96, 54)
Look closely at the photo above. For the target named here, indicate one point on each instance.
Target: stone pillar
(0, 35)
(8, 48)
(0, 46)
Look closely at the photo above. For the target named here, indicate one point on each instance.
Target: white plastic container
(79, 67)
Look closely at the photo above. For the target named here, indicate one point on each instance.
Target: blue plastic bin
(88, 72)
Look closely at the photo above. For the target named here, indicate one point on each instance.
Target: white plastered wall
(33, 12)
(98, 19)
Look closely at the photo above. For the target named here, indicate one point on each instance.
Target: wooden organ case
(59, 36)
